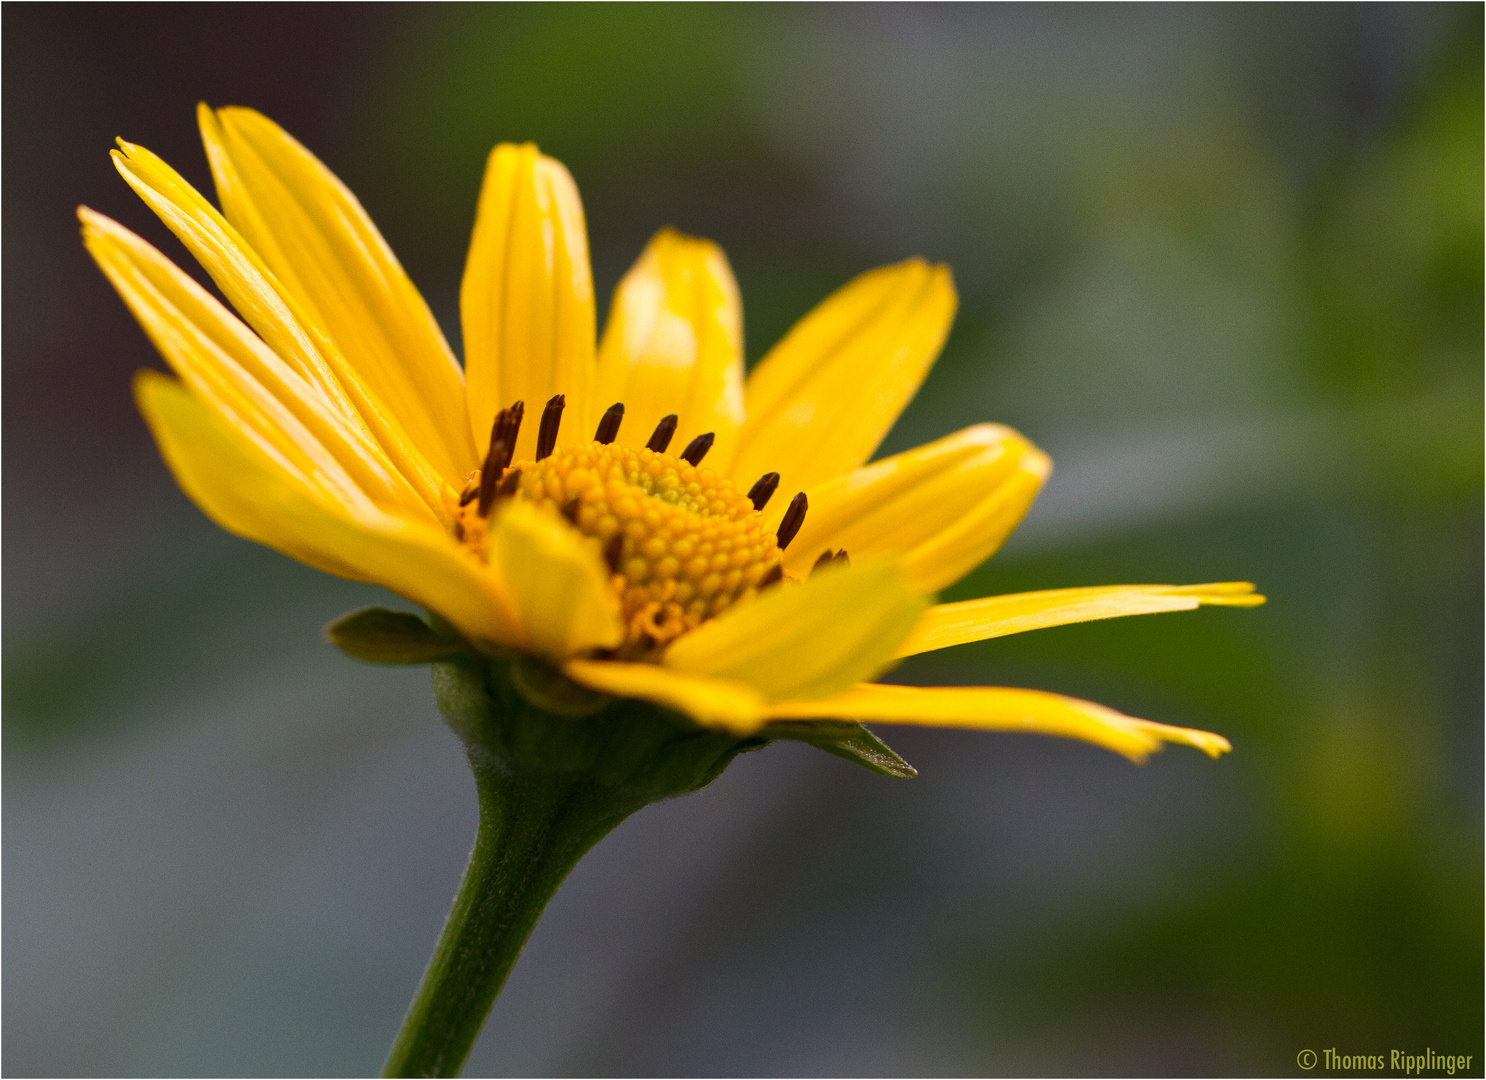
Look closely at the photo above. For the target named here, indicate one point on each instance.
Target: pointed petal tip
(100, 229)
(1210, 743)
(1215, 746)
(1224, 594)
(1246, 601)
(145, 383)
(944, 278)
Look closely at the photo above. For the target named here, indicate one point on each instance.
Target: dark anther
(513, 425)
(551, 418)
(508, 485)
(609, 425)
(830, 558)
(612, 550)
(772, 577)
(697, 449)
(470, 491)
(495, 464)
(505, 429)
(794, 517)
(664, 432)
(570, 509)
(763, 490)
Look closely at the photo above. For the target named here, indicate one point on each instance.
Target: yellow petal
(252, 289)
(806, 640)
(556, 582)
(995, 708)
(941, 509)
(995, 616)
(823, 398)
(324, 251)
(247, 491)
(526, 302)
(710, 702)
(227, 365)
(674, 344)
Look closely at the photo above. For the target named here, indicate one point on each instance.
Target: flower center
(681, 543)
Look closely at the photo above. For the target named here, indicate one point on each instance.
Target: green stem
(557, 767)
(534, 827)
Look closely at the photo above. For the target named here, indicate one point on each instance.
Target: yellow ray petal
(526, 302)
(941, 509)
(245, 490)
(950, 554)
(809, 639)
(324, 251)
(710, 702)
(823, 398)
(674, 344)
(995, 708)
(252, 289)
(995, 616)
(554, 577)
(228, 366)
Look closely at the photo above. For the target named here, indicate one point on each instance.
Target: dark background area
(1223, 263)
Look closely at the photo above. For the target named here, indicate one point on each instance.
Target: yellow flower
(333, 423)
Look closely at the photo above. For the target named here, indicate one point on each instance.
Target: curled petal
(941, 509)
(674, 344)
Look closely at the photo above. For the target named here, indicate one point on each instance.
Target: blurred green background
(1223, 263)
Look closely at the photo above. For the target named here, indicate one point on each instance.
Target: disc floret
(682, 543)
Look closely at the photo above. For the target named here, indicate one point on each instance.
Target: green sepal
(380, 636)
(514, 710)
(845, 739)
(547, 688)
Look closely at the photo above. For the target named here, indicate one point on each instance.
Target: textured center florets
(682, 544)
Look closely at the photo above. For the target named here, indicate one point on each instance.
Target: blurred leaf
(225, 608)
